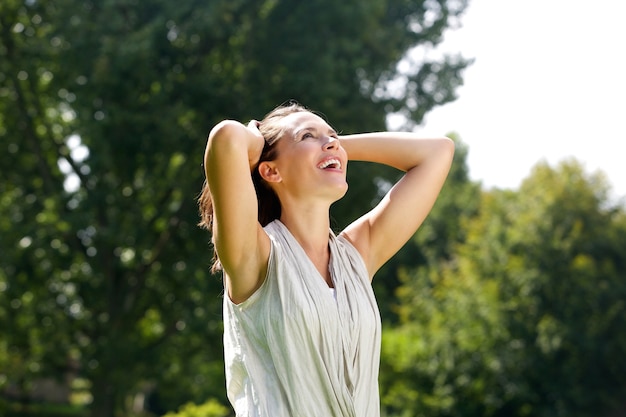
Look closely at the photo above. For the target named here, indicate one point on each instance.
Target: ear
(269, 171)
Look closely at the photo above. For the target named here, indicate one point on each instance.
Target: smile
(330, 163)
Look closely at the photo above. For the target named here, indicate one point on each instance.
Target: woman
(301, 324)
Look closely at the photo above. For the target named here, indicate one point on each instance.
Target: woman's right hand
(258, 142)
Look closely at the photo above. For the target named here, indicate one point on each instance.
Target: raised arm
(380, 233)
(241, 244)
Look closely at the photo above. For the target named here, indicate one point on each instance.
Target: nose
(331, 143)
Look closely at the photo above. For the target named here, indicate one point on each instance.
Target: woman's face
(310, 159)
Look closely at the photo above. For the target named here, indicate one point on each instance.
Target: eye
(307, 135)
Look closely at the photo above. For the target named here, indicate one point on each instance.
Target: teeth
(328, 162)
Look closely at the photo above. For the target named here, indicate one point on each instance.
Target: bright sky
(548, 83)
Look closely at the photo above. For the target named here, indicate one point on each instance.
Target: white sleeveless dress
(292, 349)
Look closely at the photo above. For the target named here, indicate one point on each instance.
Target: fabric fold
(292, 349)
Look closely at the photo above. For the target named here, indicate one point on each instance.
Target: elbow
(438, 152)
(440, 147)
(223, 129)
(447, 150)
(449, 145)
(220, 143)
(444, 147)
(446, 142)
(223, 138)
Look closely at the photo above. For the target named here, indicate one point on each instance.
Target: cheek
(344, 156)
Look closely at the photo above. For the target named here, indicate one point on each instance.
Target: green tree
(103, 113)
(570, 238)
(524, 319)
(208, 409)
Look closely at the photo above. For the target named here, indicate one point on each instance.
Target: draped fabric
(294, 350)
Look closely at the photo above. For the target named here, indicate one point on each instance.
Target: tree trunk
(104, 398)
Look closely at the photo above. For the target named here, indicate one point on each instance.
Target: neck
(310, 228)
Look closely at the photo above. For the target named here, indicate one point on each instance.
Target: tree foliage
(104, 109)
(505, 303)
(525, 318)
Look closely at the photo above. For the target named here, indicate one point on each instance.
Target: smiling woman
(301, 325)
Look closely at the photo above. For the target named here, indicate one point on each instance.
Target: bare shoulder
(245, 278)
(358, 234)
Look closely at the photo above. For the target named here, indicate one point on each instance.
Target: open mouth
(331, 163)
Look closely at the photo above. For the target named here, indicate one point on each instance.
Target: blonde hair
(268, 202)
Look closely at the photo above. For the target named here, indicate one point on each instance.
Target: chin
(341, 192)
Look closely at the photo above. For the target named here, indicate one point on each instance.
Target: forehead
(297, 122)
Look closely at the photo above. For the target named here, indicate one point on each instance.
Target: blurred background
(509, 301)
(546, 85)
